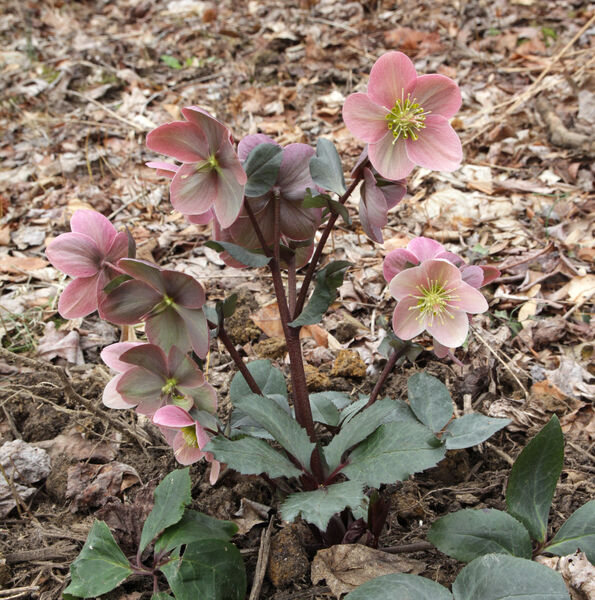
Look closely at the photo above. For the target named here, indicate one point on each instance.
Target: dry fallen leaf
(346, 566)
(251, 513)
(59, 343)
(76, 447)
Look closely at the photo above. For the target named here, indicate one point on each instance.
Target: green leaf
(577, 532)
(100, 566)
(162, 596)
(326, 406)
(533, 479)
(502, 577)
(429, 400)
(319, 506)
(398, 586)
(468, 534)
(326, 169)
(471, 430)
(246, 257)
(251, 456)
(229, 305)
(242, 424)
(172, 496)
(286, 430)
(360, 427)
(392, 453)
(325, 201)
(262, 169)
(210, 569)
(328, 280)
(171, 61)
(194, 526)
(270, 380)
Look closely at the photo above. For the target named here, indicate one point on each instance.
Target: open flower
(189, 439)
(89, 254)
(404, 118)
(377, 198)
(434, 297)
(147, 378)
(211, 175)
(169, 302)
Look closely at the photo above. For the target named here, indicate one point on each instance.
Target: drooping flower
(189, 439)
(404, 118)
(377, 198)
(211, 175)
(88, 253)
(147, 379)
(434, 297)
(169, 302)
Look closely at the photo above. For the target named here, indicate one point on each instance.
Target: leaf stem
(388, 367)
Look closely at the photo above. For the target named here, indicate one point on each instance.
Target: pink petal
(205, 398)
(144, 271)
(164, 169)
(298, 223)
(184, 454)
(229, 162)
(168, 329)
(390, 76)
(111, 355)
(213, 130)
(424, 248)
(172, 416)
(396, 261)
(181, 140)
(407, 322)
(365, 118)
(79, 298)
(250, 142)
(393, 193)
(473, 275)
(407, 282)
(148, 357)
(294, 172)
(183, 289)
(202, 436)
(390, 159)
(197, 329)
(118, 248)
(75, 254)
(112, 398)
(450, 330)
(443, 272)
(229, 199)
(455, 259)
(374, 232)
(468, 299)
(184, 370)
(374, 200)
(96, 226)
(129, 302)
(489, 274)
(193, 192)
(438, 146)
(215, 469)
(441, 351)
(202, 218)
(437, 94)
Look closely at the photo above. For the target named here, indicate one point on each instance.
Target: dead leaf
(580, 423)
(76, 447)
(251, 513)
(346, 566)
(59, 343)
(20, 264)
(572, 379)
(413, 42)
(577, 571)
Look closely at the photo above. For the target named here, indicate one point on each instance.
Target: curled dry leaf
(76, 447)
(576, 570)
(251, 514)
(61, 344)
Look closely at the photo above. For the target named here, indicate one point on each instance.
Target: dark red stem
(388, 367)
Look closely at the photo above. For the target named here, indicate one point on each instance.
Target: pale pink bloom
(403, 118)
(111, 357)
(88, 253)
(211, 175)
(433, 297)
(189, 439)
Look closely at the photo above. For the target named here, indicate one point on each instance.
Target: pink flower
(189, 439)
(404, 118)
(377, 198)
(211, 174)
(434, 297)
(89, 254)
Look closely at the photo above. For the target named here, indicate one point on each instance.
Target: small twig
(402, 548)
(262, 561)
(18, 592)
(500, 453)
(57, 551)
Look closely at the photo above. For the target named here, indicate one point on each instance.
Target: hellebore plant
(267, 204)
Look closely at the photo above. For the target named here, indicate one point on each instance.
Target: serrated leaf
(192, 527)
(468, 534)
(328, 280)
(326, 406)
(172, 496)
(326, 169)
(577, 532)
(398, 586)
(319, 506)
(262, 168)
(470, 430)
(534, 477)
(270, 380)
(100, 566)
(359, 427)
(210, 569)
(429, 400)
(242, 424)
(251, 456)
(246, 257)
(502, 577)
(284, 429)
(392, 453)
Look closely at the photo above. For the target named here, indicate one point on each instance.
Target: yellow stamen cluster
(406, 118)
(189, 434)
(169, 387)
(433, 302)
